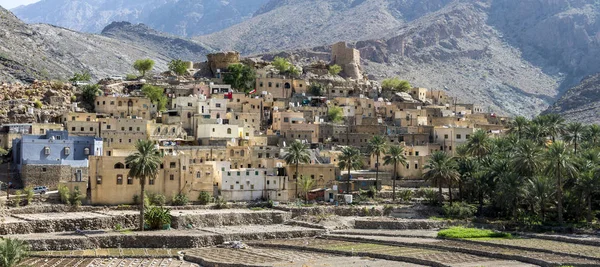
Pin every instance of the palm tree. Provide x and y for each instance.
(518, 126)
(295, 154)
(350, 159)
(592, 134)
(589, 183)
(377, 146)
(478, 144)
(527, 160)
(395, 155)
(306, 184)
(560, 163)
(573, 133)
(552, 123)
(536, 133)
(12, 252)
(144, 164)
(540, 189)
(441, 168)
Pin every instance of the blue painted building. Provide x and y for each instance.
(53, 157)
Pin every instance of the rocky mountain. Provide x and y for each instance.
(582, 102)
(181, 17)
(41, 51)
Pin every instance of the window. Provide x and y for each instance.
(218, 105)
(256, 173)
(228, 130)
(82, 129)
(231, 187)
(252, 186)
(190, 104)
(119, 165)
(120, 103)
(286, 119)
(173, 165)
(239, 173)
(91, 129)
(261, 84)
(67, 151)
(270, 84)
(241, 187)
(130, 129)
(112, 102)
(46, 150)
(72, 129)
(416, 153)
(198, 175)
(151, 181)
(108, 127)
(445, 136)
(468, 136)
(43, 169)
(171, 177)
(98, 179)
(458, 136)
(268, 182)
(119, 179)
(129, 180)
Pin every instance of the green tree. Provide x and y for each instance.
(552, 125)
(281, 64)
(394, 156)
(350, 159)
(527, 160)
(297, 153)
(144, 164)
(540, 190)
(592, 135)
(442, 169)
(377, 146)
(89, 94)
(335, 69)
(478, 144)
(240, 77)
(81, 77)
(178, 66)
(559, 163)
(588, 183)
(573, 134)
(316, 89)
(306, 184)
(518, 126)
(156, 95)
(12, 252)
(395, 85)
(335, 114)
(143, 65)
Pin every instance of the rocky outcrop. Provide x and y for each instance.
(582, 102)
(222, 60)
(18, 101)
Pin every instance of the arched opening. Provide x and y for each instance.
(198, 175)
(119, 165)
(120, 104)
(228, 130)
(287, 86)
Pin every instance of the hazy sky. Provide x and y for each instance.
(8, 4)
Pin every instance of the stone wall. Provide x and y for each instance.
(34, 175)
(227, 219)
(222, 60)
(339, 211)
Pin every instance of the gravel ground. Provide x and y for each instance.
(380, 232)
(96, 262)
(575, 249)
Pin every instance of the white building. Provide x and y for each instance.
(254, 184)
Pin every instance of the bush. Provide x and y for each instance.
(73, 98)
(136, 200)
(63, 192)
(459, 210)
(57, 85)
(180, 200)
(37, 104)
(221, 204)
(28, 195)
(387, 209)
(13, 251)
(429, 195)
(335, 69)
(157, 199)
(18, 194)
(204, 198)
(76, 198)
(405, 195)
(156, 217)
(462, 232)
(131, 77)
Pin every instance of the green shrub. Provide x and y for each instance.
(204, 198)
(73, 98)
(63, 192)
(131, 77)
(462, 232)
(157, 199)
(37, 104)
(429, 195)
(387, 209)
(28, 195)
(405, 195)
(221, 204)
(76, 197)
(136, 200)
(18, 194)
(118, 227)
(459, 210)
(156, 217)
(180, 200)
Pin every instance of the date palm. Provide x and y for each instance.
(559, 163)
(527, 160)
(349, 160)
(395, 155)
(377, 146)
(297, 153)
(479, 144)
(592, 135)
(552, 124)
(12, 252)
(518, 126)
(441, 169)
(573, 133)
(540, 189)
(144, 164)
(306, 184)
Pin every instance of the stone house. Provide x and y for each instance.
(126, 106)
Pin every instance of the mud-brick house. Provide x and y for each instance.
(53, 158)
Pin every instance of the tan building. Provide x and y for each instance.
(125, 106)
(111, 185)
(279, 86)
(324, 175)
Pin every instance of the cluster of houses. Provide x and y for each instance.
(232, 144)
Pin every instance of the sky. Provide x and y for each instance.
(9, 4)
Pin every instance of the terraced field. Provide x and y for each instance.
(105, 262)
